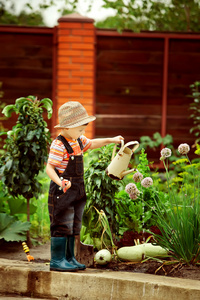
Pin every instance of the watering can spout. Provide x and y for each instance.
(117, 169)
(128, 172)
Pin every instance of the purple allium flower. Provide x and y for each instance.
(147, 182)
(131, 188)
(183, 149)
(137, 177)
(166, 152)
(135, 195)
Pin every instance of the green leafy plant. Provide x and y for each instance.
(100, 190)
(129, 214)
(195, 107)
(40, 223)
(13, 227)
(12, 230)
(135, 212)
(156, 141)
(180, 223)
(2, 118)
(26, 147)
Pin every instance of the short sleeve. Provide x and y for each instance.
(56, 154)
(86, 142)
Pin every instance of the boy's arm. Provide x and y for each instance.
(64, 184)
(50, 170)
(98, 143)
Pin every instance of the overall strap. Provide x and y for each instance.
(80, 143)
(67, 145)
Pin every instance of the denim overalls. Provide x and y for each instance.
(66, 209)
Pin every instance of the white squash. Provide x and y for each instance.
(132, 253)
(154, 250)
(139, 252)
(102, 257)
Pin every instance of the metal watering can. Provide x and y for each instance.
(119, 164)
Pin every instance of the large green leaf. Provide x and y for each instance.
(47, 103)
(8, 110)
(5, 220)
(19, 206)
(11, 230)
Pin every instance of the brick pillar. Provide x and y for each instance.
(76, 63)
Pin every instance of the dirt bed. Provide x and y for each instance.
(41, 253)
(156, 268)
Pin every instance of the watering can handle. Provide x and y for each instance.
(114, 149)
(136, 143)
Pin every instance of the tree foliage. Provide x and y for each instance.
(26, 146)
(8, 15)
(161, 15)
(31, 15)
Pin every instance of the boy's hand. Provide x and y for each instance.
(117, 139)
(66, 184)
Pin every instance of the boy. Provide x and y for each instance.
(67, 196)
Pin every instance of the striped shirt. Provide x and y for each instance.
(58, 155)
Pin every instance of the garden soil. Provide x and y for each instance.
(41, 253)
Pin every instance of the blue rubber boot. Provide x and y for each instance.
(70, 253)
(58, 260)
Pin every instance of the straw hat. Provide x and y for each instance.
(73, 114)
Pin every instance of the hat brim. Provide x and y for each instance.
(79, 123)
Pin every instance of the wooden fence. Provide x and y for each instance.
(136, 83)
(26, 64)
(142, 84)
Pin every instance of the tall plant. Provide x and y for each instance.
(26, 147)
(100, 189)
(195, 108)
(180, 223)
(136, 206)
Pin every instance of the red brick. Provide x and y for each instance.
(88, 95)
(62, 80)
(89, 26)
(62, 59)
(62, 31)
(88, 80)
(82, 73)
(88, 39)
(88, 53)
(64, 46)
(82, 32)
(80, 87)
(82, 60)
(70, 25)
(69, 94)
(63, 87)
(62, 52)
(82, 46)
(69, 66)
(70, 39)
(88, 67)
(63, 73)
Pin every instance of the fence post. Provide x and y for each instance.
(76, 63)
